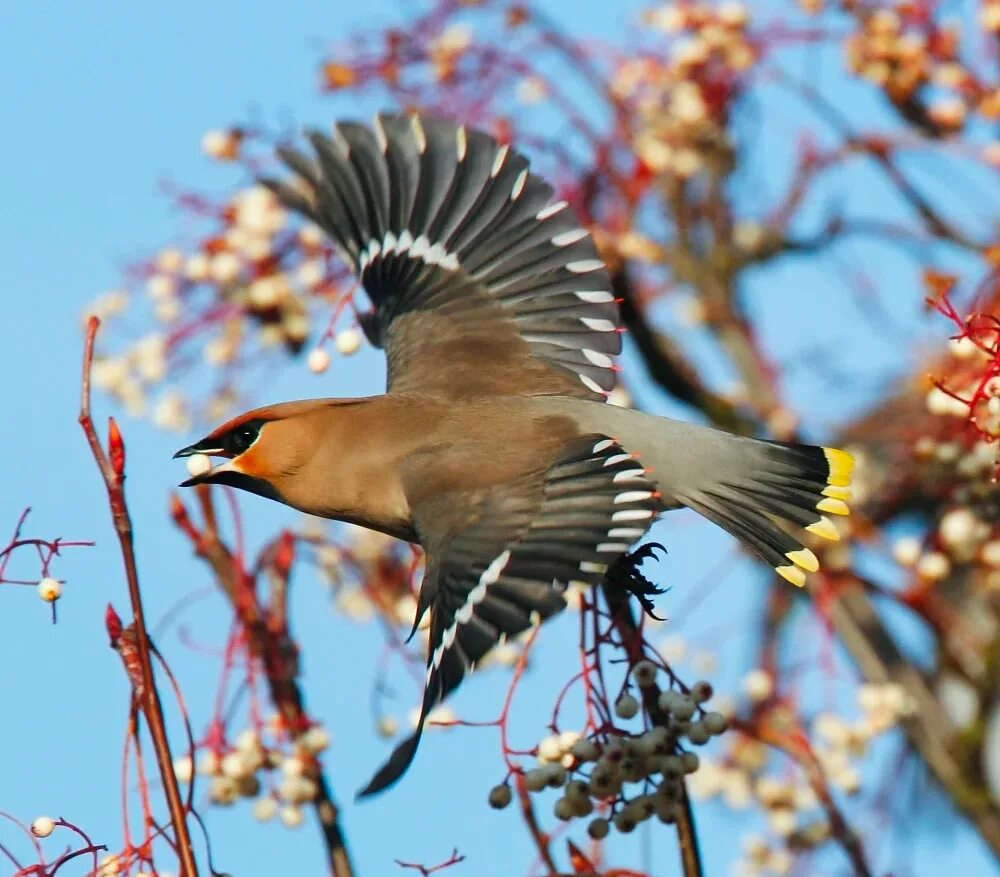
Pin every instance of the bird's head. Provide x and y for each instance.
(261, 450)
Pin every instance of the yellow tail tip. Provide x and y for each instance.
(841, 465)
(804, 558)
(844, 493)
(791, 574)
(825, 529)
(833, 506)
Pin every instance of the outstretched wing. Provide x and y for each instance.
(504, 572)
(479, 284)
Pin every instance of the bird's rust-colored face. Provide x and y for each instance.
(258, 450)
(328, 457)
(240, 443)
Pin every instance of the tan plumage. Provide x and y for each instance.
(492, 447)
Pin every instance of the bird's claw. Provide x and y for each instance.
(624, 573)
(644, 552)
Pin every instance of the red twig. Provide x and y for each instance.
(264, 634)
(797, 746)
(112, 469)
(425, 870)
(540, 837)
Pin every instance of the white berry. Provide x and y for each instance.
(264, 809)
(318, 361)
(291, 817)
(348, 341)
(198, 464)
(43, 826)
(550, 749)
(50, 589)
(314, 740)
(183, 769)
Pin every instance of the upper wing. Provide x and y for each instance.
(506, 568)
(479, 283)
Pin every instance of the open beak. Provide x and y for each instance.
(197, 448)
(203, 448)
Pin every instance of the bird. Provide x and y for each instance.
(493, 446)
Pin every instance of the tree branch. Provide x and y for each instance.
(112, 468)
(621, 613)
(269, 642)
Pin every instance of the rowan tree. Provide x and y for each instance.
(798, 203)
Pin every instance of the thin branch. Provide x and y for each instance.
(540, 837)
(112, 468)
(880, 660)
(800, 750)
(271, 644)
(621, 613)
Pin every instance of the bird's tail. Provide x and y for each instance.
(397, 764)
(764, 493)
(784, 488)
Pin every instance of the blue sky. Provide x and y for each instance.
(102, 102)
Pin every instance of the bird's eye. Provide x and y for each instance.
(241, 439)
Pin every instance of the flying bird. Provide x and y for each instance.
(492, 446)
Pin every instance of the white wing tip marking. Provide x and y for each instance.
(612, 547)
(595, 296)
(518, 187)
(589, 566)
(625, 533)
(599, 359)
(461, 142)
(420, 246)
(632, 515)
(435, 254)
(617, 458)
(603, 445)
(551, 210)
(474, 597)
(582, 266)
(598, 324)
(499, 159)
(564, 239)
(592, 385)
(629, 475)
(633, 496)
(492, 572)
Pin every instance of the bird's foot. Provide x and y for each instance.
(624, 573)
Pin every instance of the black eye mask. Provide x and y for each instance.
(241, 438)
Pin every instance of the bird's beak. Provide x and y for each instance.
(206, 448)
(197, 448)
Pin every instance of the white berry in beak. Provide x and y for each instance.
(198, 464)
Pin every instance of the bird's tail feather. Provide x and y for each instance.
(397, 764)
(765, 490)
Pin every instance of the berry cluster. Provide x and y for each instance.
(275, 778)
(629, 777)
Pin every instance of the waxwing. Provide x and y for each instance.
(493, 447)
